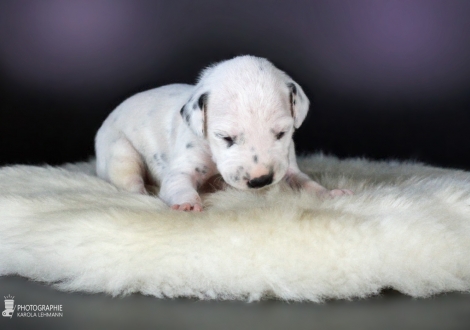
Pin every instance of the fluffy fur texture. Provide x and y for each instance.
(407, 227)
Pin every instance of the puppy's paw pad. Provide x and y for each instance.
(187, 207)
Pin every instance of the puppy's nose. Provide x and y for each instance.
(261, 181)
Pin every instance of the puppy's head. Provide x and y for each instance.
(247, 109)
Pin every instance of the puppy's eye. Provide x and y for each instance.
(229, 140)
(280, 135)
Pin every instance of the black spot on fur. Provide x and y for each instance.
(239, 171)
(185, 114)
(158, 161)
(163, 157)
(202, 101)
(202, 170)
(292, 88)
(195, 106)
(241, 138)
(293, 92)
(189, 145)
(255, 159)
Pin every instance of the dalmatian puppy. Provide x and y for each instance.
(237, 121)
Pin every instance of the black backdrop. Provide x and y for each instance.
(387, 79)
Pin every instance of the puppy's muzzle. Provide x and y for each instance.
(261, 181)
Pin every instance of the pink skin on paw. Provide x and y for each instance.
(187, 207)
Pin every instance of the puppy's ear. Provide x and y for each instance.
(194, 113)
(299, 103)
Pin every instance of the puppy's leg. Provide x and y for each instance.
(299, 180)
(124, 166)
(178, 189)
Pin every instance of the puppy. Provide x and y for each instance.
(238, 121)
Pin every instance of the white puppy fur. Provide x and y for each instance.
(238, 121)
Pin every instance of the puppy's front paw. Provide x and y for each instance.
(196, 207)
(186, 202)
(181, 199)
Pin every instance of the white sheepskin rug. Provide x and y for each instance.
(407, 227)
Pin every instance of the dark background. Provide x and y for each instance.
(387, 79)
